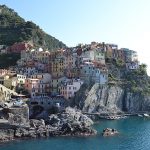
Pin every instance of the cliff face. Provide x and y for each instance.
(136, 102)
(114, 98)
(127, 91)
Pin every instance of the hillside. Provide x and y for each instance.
(13, 29)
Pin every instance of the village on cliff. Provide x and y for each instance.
(49, 78)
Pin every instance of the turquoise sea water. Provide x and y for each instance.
(134, 135)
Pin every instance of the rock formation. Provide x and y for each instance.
(71, 122)
(113, 99)
(110, 132)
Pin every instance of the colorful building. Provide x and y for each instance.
(3, 72)
(89, 72)
(38, 84)
(57, 67)
(99, 56)
(130, 55)
(72, 72)
(21, 78)
(55, 85)
(132, 66)
(68, 88)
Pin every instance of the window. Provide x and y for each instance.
(74, 88)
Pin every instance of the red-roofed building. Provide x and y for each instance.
(18, 47)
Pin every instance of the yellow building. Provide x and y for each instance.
(57, 67)
(72, 73)
(10, 82)
(55, 85)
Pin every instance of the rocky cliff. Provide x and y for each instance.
(69, 123)
(126, 90)
(113, 99)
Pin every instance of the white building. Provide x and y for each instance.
(28, 71)
(88, 73)
(99, 56)
(132, 66)
(44, 77)
(87, 55)
(21, 78)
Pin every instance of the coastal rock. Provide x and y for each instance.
(32, 133)
(72, 122)
(110, 132)
(113, 99)
(54, 120)
(37, 123)
(6, 134)
(21, 132)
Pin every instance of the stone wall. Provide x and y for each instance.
(18, 116)
(5, 93)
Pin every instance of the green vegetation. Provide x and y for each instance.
(111, 77)
(138, 81)
(7, 60)
(13, 29)
(119, 63)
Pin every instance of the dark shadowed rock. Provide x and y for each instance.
(21, 132)
(37, 123)
(6, 134)
(110, 132)
(71, 122)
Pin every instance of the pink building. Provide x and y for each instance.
(69, 87)
(3, 72)
(38, 85)
(32, 86)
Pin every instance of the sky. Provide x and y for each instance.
(122, 22)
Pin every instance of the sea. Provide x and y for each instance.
(134, 135)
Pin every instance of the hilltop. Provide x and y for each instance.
(14, 28)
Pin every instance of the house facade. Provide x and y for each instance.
(68, 88)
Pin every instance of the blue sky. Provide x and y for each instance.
(122, 22)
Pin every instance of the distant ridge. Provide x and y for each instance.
(14, 28)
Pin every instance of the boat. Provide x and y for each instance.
(113, 117)
(146, 115)
(140, 115)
